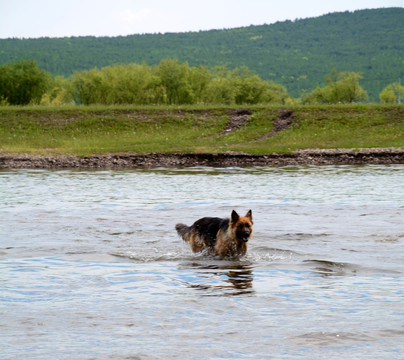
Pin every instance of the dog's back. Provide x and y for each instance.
(202, 234)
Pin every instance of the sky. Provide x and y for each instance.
(60, 18)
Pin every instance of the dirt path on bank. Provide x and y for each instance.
(132, 160)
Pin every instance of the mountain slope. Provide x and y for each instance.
(296, 54)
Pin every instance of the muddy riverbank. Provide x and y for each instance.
(153, 160)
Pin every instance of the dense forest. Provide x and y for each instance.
(296, 54)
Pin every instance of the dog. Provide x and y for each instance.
(217, 236)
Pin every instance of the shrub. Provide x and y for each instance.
(22, 83)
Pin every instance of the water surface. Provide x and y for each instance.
(91, 267)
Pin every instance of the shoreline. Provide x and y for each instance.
(228, 159)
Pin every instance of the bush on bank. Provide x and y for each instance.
(171, 83)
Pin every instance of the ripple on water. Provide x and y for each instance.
(90, 264)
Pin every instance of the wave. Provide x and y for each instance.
(333, 268)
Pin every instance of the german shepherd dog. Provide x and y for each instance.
(221, 237)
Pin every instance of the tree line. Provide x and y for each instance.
(171, 83)
(296, 54)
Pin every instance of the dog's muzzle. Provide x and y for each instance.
(245, 236)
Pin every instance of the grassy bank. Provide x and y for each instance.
(98, 130)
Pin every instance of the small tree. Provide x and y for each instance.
(248, 86)
(392, 93)
(90, 87)
(175, 79)
(341, 88)
(60, 92)
(220, 91)
(199, 78)
(22, 82)
(276, 94)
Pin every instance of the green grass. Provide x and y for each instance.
(101, 129)
(339, 127)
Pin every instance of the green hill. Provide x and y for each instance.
(297, 54)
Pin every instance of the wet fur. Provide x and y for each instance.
(222, 237)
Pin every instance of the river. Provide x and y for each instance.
(92, 268)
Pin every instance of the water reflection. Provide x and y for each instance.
(241, 277)
(219, 279)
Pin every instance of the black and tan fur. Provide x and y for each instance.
(222, 237)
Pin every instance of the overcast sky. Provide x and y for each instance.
(59, 18)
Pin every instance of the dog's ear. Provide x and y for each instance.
(249, 214)
(234, 216)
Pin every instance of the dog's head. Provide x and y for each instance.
(242, 226)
